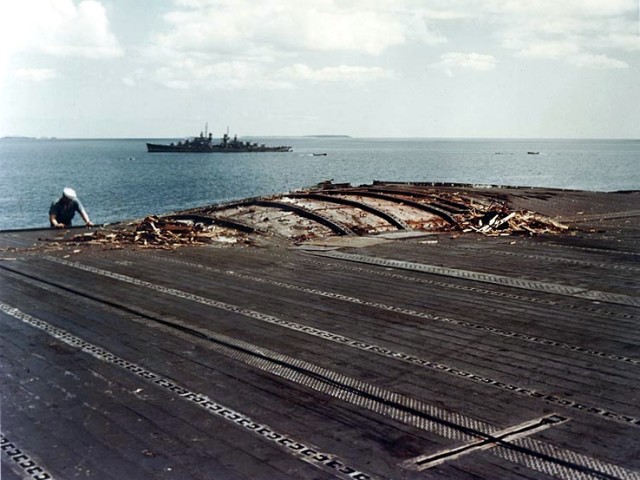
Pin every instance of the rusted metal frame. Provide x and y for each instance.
(392, 219)
(459, 207)
(223, 222)
(306, 213)
(420, 206)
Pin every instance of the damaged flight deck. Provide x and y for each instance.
(384, 331)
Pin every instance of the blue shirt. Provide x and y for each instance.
(65, 210)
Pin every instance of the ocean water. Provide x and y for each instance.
(118, 180)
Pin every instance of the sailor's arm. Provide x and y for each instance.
(86, 219)
(54, 222)
(84, 215)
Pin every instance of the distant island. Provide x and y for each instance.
(19, 137)
(327, 136)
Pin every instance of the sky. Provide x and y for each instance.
(364, 68)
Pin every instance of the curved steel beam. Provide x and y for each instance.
(392, 219)
(420, 206)
(459, 207)
(223, 222)
(306, 213)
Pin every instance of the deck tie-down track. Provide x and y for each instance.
(300, 449)
(546, 287)
(535, 454)
(512, 334)
(350, 393)
(591, 428)
(475, 377)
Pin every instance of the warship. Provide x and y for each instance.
(204, 143)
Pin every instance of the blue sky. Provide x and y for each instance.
(366, 68)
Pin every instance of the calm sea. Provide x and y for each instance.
(118, 180)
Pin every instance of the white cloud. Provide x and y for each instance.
(267, 31)
(566, 30)
(333, 74)
(590, 60)
(467, 61)
(629, 42)
(242, 43)
(549, 50)
(57, 27)
(35, 74)
(286, 26)
(194, 73)
(554, 8)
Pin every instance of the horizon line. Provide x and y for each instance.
(321, 136)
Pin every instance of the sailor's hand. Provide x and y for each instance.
(89, 223)
(59, 225)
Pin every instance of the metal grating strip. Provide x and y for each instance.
(23, 463)
(553, 288)
(346, 341)
(419, 314)
(304, 451)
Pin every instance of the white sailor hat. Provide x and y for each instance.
(70, 193)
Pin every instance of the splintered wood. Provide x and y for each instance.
(359, 214)
(500, 220)
(155, 232)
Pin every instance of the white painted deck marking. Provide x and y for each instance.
(424, 462)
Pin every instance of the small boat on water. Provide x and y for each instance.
(204, 144)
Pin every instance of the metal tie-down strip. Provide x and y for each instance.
(350, 342)
(304, 451)
(415, 313)
(553, 288)
(22, 463)
(534, 454)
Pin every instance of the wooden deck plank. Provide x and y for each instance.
(170, 424)
(432, 328)
(348, 358)
(545, 373)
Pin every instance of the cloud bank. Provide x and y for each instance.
(57, 27)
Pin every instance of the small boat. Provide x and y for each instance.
(533, 153)
(318, 154)
(204, 144)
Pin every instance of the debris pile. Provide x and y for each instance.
(155, 232)
(499, 220)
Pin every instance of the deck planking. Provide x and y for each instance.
(288, 339)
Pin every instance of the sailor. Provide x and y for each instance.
(62, 212)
